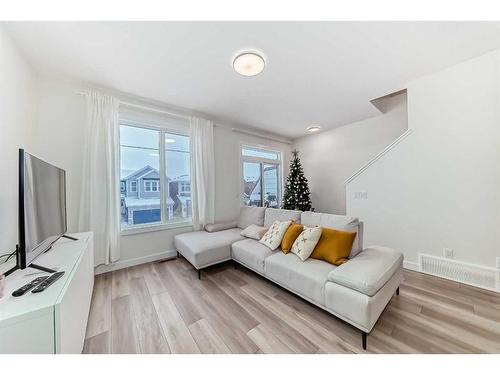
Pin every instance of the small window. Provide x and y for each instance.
(122, 186)
(133, 186)
(261, 177)
(185, 187)
(151, 186)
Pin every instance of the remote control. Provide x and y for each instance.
(47, 282)
(19, 292)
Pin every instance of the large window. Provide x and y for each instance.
(261, 177)
(155, 182)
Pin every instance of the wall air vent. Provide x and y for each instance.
(466, 273)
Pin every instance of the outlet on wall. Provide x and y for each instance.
(448, 253)
(360, 195)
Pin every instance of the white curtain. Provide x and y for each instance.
(100, 198)
(202, 172)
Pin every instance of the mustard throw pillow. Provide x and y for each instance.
(334, 246)
(290, 236)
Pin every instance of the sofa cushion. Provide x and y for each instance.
(274, 235)
(277, 214)
(217, 227)
(334, 246)
(251, 253)
(345, 223)
(304, 244)
(306, 278)
(251, 215)
(254, 231)
(369, 270)
(291, 234)
(202, 249)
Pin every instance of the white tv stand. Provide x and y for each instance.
(55, 320)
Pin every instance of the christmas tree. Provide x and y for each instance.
(296, 195)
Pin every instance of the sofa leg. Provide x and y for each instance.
(199, 274)
(178, 256)
(397, 291)
(363, 337)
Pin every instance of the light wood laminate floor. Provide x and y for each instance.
(164, 308)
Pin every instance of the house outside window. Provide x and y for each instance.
(154, 163)
(261, 176)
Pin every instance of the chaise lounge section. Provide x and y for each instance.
(356, 291)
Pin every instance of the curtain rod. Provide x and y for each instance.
(138, 106)
(255, 134)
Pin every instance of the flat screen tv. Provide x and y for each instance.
(42, 208)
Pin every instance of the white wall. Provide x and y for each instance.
(59, 140)
(331, 157)
(17, 120)
(59, 137)
(440, 186)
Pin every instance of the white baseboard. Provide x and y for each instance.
(134, 262)
(413, 266)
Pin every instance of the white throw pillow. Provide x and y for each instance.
(254, 231)
(306, 242)
(272, 238)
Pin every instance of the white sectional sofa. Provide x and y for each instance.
(356, 292)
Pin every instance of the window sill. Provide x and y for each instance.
(155, 228)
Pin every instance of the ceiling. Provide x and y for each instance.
(318, 73)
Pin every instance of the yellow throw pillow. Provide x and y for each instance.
(334, 246)
(290, 236)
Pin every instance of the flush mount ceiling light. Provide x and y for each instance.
(313, 129)
(249, 63)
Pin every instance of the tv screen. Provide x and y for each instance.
(42, 206)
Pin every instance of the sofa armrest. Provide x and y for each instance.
(368, 271)
(217, 227)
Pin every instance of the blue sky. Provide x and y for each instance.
(140, 148)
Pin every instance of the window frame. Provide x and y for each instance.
(133, 183)
(261, 162)
(153, 186)
(183, 186)
(162, 183)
